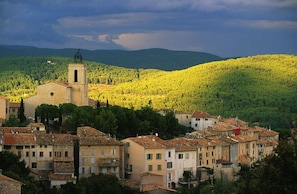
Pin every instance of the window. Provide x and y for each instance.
(7, 147)
(180, 156)
(19, 153)
(102, 152)
(212, 153)
(206, 154)
(127, 144)
(200, 156)
(149, 156)
(187, 155)
(113, 151)
(82, 160)
(92, 160)
(159, 167)
(19, 147)
(32, 146)
(27, 154)
(128, 155)
(158, 156)
(169, 164)
(206, 119)
(82, 152)
(66, 153)
(27, 147)
(169, 154)
(150, 167)
(34, 165)
(169, 176)
(33, 154)
(206, 161)
(131, 168)
(40, 154)
(50, 154)
(58, 154)
(52, 93)
(92, 152)
(83, 170)
(75, 76)
(91, 170)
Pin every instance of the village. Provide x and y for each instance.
(216, 149)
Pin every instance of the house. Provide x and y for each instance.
(226, 170)
(36, 126)
(184, 118)
(202, 120)
(9, 185)
(4, 108)
(99, 153)
(144, 154)
(247, 149)
(185, 161)
(14, 109)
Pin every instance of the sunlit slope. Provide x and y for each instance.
(259, 88)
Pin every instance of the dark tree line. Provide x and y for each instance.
(113, 120)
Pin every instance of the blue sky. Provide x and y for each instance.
(227, 28)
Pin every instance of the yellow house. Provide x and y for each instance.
(4, 108)
(247, 149)
(144, 154)
(99, 153)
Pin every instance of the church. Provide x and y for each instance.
(75, 91)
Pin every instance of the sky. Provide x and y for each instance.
(227, 28)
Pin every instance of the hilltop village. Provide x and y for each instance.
(216, 149)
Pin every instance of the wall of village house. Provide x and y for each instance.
(99, 159)
(202, 123)
(185, 161)
(4, 108)
(170, 164)
(45, 157)
(28, 153)
(156, 163)
(134, 159)
(207, 156)
(184, 119)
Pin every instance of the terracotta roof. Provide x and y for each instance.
(14, 105)
(147, 141)
(200, 114)
(244, 138)
(182, 144)
(98, 140)
(267, 133)
(89, 131)
(16, 129)
(6, 178)
(59, 176)
(64, 166)
(19, 139)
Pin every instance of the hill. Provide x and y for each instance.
(256, 89)
(147, 58)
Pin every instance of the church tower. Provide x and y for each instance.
(77, 81)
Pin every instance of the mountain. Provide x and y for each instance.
(148, 58)
(259, 89)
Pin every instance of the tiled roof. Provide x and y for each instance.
(267, 133)
(99, 140)
(59, 176)
(244, 138)
(147, 141)
(16, 129)
(6, 178)
(153, 187)
(35, 125)
(19, 139)
(182, 144)
(89, 131)
(64, 166)
(220, 161)
(200, 114)
(63, 139)
(14, 105)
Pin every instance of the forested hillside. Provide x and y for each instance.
(147, 58)
(256, 89)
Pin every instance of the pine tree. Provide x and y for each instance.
(22, 112)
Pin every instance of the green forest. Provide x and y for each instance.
(258, 89)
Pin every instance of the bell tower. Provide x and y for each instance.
(77, 81)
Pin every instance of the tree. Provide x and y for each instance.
(22, 112)
(106, 122)
(12, 121)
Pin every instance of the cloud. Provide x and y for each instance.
(159, 39)
(264, 24)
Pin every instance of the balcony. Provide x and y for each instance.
(109, 162)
